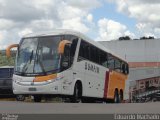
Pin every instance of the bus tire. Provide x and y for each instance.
(76, 98)
(116, 96)
(20, 97)
(37, 98)
(87, 100)
(121, 96)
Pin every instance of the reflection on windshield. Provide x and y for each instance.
(25, 67)
(38, 56)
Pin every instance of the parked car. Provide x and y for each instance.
(6, 80)
(6, 73)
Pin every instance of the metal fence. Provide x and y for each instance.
(145, 95)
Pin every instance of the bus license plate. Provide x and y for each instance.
(32, 89)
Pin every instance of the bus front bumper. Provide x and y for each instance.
(37, 88)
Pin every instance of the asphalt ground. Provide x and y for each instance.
(17, 107)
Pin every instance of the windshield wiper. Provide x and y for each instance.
(31, 57)
(42, 67)
(38, 61)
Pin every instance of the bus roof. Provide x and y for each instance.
(71, 32)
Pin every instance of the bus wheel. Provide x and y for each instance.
(37, 98)
(116, 96)
(121, 96)
(76, 98)
(20, 97)
(87, 100)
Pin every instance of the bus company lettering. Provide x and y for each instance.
(91, 67)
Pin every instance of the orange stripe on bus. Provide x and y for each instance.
(116, 80)
(45, 78)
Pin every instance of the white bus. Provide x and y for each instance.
(68, 64)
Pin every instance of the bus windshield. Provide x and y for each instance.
(38, 56)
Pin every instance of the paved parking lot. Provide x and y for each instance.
(77, 108)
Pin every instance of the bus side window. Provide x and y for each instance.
(81, 51)
(110, 62)
(94, 54)
(125, 68)
(117, 65)
(66, 62)
(84, 51)
(87, 51)
(73, 49)
(103, 58)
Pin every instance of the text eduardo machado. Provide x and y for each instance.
(136, 116)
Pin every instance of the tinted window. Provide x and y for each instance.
(70, 49)
(117, 65)
(73, 48)
(94, 54)
(4, 73)
(38, 56)
(125, 68)
(84, 52)
(103, 59)
(110, 61)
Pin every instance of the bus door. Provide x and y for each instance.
(66, 68)
(67, 81)
(67, 65)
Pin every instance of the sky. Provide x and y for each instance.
(101, 20)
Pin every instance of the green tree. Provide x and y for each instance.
(4, 61)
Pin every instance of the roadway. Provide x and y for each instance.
(15, 107)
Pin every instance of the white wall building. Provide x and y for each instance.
(143, 57)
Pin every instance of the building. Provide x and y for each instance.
(144, 61)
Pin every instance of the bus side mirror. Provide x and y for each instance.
(127, 69)
(61, 47)
(66, 56)
(8, 50)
